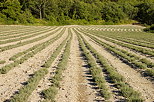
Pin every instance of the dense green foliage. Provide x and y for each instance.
(55, 12)
(150, 29)
(146, 13)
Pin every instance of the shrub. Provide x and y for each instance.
(149, 29)
(140, 65)
(50, 93)
(149, 72)
(105, 93)
(134, 99)
(2, 62)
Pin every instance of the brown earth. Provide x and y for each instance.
(77, 84)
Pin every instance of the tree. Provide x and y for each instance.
(112, 12)
(146, 12)
(24, 4)
(129, 10)
(39, 7)
(12, 9)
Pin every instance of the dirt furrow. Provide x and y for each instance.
(45, 82)
(12, 30)
(19, 31)
(76, 85)
(127, 49)
(133, 78)
(9, 53)
(87, 88)
(68, 90)
(115, 94)
(22, 34)
(27, 39)
(129, 43)
(14, 79)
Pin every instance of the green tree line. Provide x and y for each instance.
(59, 12)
